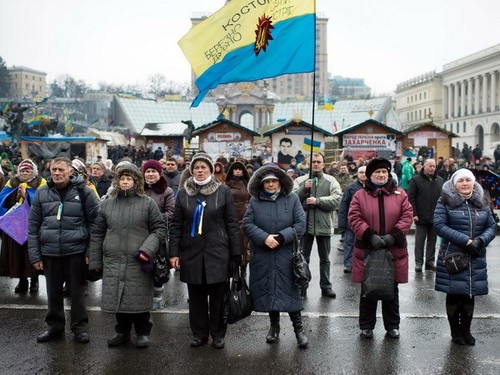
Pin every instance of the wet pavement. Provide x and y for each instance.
(335, 347)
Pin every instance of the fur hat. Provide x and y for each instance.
(377, 163)
(153, 164)
(201, 156)
(463, 172)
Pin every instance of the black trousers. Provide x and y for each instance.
(141, 322)
(390, 312)
(423, 232)
(57, 270)
(206, 309)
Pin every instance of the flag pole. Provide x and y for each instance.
(313, 96)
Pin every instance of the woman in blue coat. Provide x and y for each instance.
(464, 221)
(273, 220)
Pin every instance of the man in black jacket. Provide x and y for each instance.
(58, 234)
(423, 193)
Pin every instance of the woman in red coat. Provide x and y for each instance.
(380, 216)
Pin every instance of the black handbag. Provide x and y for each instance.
(238, 299)
(161, 264)
(456, 262)
(378, 281)
(301, 271)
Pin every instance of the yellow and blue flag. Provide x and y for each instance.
(251, 40)
(329, 105)
(310, 145)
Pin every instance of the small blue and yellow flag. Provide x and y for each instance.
(44, 100)
(310, 144)
(251, 40)
(329, 105)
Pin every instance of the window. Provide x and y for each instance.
(420, 96)
(425, 95)
(464, 128)
(458, 128)
(425, 113)
(420, 114)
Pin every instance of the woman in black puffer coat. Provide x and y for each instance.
(464, 221)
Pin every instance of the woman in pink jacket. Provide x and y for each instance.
(380, 217)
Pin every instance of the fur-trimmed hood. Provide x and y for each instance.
(450, 196)
(238, 164)
(255, 183)
(192, 188)
(130, 170)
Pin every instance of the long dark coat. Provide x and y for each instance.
(207, 253)
(456, 220)
(271, 276)
(241, 196)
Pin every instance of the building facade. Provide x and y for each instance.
(27, 82)
(471, 103)
(348, 88)
(419, 100)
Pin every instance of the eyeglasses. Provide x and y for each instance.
(317, 162)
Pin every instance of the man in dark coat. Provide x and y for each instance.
(99, 178)
(172, 173)
(423, 193)
(61, 215)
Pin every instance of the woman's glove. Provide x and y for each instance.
(146, 262)
(388, 239)
(474, 248)
(234, 265)
(377, 242)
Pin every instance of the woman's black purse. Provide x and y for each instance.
(456, 262)
(238, 302)
(300, 267)
(161, 264)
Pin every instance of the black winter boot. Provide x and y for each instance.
(296, 319)
(454, 319)
(22, 287)
(274, 331)
(466, 320)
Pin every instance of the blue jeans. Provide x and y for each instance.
(324, 246)
(348, 247)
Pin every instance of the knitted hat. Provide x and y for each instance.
(201, 156)
(153, 164)
(377, 163)
(464, 172)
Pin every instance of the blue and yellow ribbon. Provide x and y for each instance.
(197, 225)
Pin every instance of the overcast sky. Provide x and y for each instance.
(124, 41)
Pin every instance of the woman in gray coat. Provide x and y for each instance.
(124, 239)
(273, 221)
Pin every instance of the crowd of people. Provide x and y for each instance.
(89, 222)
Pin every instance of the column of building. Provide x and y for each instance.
(476, 96)
(493, 96)
(462, 99)
(484, 105)
(455, 99)
(469, 96)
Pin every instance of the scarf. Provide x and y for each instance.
(197, 222)
(204, 182)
